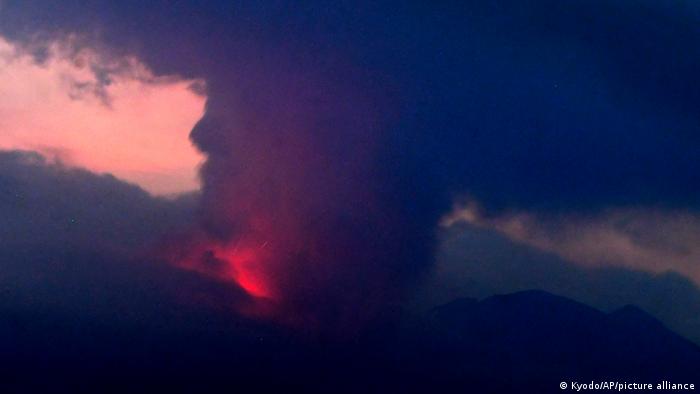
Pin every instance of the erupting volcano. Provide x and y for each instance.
(304, 200)
(242, 264)
(245, 263)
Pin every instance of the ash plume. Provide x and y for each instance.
(300, 201)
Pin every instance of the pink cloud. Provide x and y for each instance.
(107, 115)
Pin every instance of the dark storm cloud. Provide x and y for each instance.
(537, 103)
(351, 127)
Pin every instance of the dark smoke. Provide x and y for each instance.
(297, 171)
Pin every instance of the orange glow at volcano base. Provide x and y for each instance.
(243, 267)
(245, 263)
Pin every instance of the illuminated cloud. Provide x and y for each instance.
(648, 239)
(82, 108)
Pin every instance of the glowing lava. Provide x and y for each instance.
(244, 262)
(244, 265)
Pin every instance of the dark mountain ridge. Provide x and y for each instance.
(523, 342)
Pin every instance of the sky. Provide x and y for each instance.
(325, 155)
(135, 126)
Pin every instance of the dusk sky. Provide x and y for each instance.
(308, 166)
(98, 127)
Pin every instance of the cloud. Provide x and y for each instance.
(107, 114)
(519, 104)
(647, 238)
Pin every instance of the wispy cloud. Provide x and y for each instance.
(643, 238)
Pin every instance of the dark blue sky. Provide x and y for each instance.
(535, 104)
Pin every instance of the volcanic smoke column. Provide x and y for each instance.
(304, 206)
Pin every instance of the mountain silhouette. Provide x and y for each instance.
(528, 342)
(540, 339)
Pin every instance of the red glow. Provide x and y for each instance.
(244, 266)
(243, 262)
